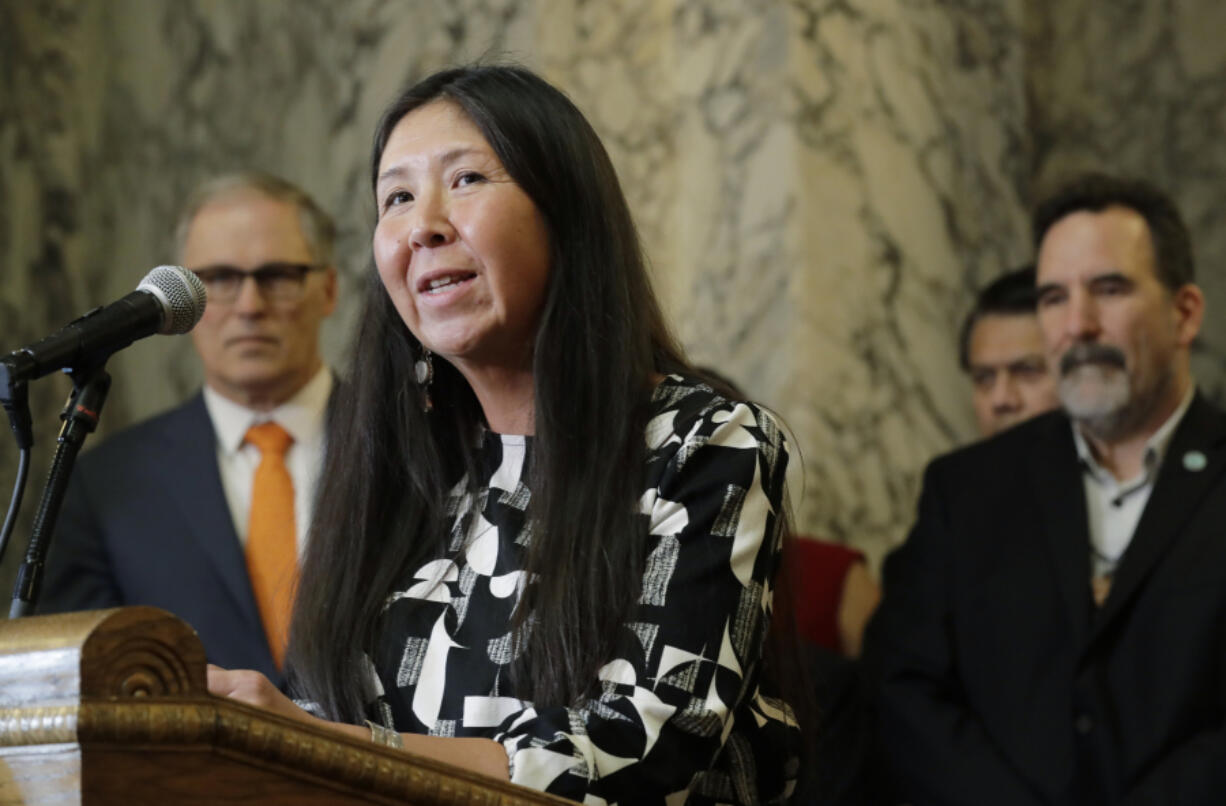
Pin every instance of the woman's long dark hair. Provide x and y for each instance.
(600, 339)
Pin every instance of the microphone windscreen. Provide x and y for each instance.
(182, 295)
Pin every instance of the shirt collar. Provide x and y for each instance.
(302, 415)
(1155, 446)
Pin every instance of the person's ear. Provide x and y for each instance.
(331, 283)
(1189, 313)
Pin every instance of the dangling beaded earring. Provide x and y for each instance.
(423, 372)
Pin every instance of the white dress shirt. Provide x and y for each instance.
(303, 417)
(1114, 507)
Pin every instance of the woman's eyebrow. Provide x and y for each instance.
(452, 154)
(446, 158)
(395, 172)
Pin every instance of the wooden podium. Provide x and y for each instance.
(110, 707)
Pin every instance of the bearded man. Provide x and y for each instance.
(1053, 631)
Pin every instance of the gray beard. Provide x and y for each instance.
(1101, 400)
(1097, 397)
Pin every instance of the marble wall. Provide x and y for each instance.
(47, 267)
(820, 184)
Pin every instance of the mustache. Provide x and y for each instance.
(1089, 353)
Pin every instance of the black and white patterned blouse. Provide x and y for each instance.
(683, 715)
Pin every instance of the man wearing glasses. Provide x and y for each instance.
(203, 510)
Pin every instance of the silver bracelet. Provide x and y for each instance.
(384, 736)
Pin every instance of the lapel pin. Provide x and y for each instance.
(1194, 461)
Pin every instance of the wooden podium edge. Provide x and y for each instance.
(139, 683)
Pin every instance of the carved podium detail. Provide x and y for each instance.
(111, 707)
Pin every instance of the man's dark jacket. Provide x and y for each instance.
(146, 522)
(999, 682)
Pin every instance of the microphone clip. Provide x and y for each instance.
(15, 397)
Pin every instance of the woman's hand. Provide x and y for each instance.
(480, 755)
(253, 688)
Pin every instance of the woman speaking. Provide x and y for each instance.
(543, 549)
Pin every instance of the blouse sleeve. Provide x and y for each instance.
(668, 706)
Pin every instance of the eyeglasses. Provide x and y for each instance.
(277, 282)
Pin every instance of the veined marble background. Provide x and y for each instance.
(820, 184)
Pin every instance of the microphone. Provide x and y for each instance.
(169, 300)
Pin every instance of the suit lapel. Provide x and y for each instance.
(194, 483)
(1177, 493)
(1061, 497)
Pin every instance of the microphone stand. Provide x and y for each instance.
(80, 416)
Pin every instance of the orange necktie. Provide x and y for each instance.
(272, 542)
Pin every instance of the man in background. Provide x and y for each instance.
(203, 510)
(1053, 631)
(1001, 349)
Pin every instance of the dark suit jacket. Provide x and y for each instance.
(145, 522)
(997, 679)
